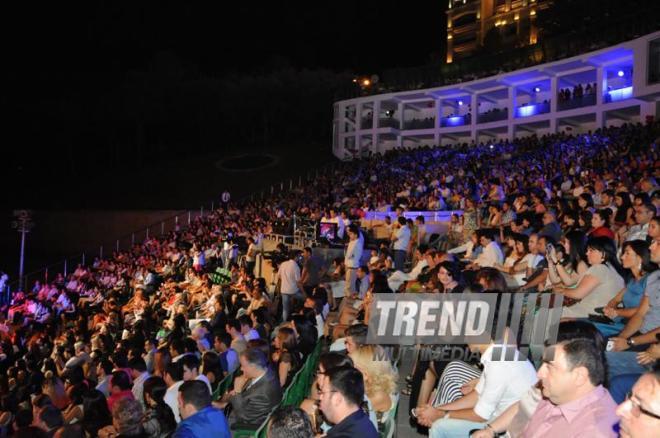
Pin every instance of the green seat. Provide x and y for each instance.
(235, 433)
(224, 385)
(389, 431)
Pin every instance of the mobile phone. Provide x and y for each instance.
(599, 309)
(610, 345)
(413, 412)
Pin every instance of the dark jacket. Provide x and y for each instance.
(356, 425)
(251, 407)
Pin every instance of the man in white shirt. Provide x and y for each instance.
(363, 281)
(352, 259)
(492, 253)
(643, 215)
(401, 240)
(289, 275)
(399, 277)
(173, 379)
(251, 255)
(139, 374)
(500, 385)
(191, 371)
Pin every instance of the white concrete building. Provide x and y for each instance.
(624, 86)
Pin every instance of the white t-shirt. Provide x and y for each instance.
(252, 249)
(403, 238)
(501, 384)
(171, 398)
(289, 273)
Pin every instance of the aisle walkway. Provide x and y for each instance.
(403, 425)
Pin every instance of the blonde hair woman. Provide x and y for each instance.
(380, 378)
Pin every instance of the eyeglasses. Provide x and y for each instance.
(637, 410)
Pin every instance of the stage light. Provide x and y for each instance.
(537, 89)
(366, 82)
(620, 73)
(460, 103)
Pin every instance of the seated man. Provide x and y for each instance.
(640, 413)
(575, 402)
(492, 253)
(399, 277)
(501, 384)
(199, 417)
(255, 393)
(289, 422)
(355, 337)
(341, 396)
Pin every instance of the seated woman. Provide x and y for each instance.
(600, 224)
(357, 310)
(258, 300)
(635, 257)
(380, 381)
(568, 270)
(599, 284)
(515, 265)
(449, 278)
(286, 356)
(137, 303)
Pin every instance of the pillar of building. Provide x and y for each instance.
(601, 88)
(646, 109)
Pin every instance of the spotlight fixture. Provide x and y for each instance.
(460, 103)
(537, 89)
(620, 73)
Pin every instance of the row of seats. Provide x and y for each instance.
(294, 394)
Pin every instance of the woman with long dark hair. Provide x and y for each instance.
(599, 284)
(96, 414)
(286, 355)
(567, 272)
(158, 420)
(635, 257)
(624, 210)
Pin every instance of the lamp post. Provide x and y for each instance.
(23, 224)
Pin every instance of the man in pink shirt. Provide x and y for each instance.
(575, 403)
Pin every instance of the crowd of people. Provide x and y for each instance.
(136, 343)
(579, 91)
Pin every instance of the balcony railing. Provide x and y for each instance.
(446, 122)
(618, 94)
(388, 123)
(532, 109)
(493, 115)
(428, 123)
(576, 102)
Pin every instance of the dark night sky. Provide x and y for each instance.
(55, 38)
